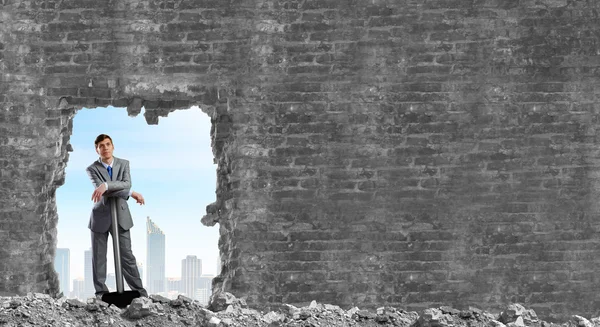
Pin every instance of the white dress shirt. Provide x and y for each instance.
(106, 166)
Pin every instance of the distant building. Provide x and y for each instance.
(78, 289)
(89, 289)
(204, 288)
(62, 265)
(191, 270)
(155, 258)
(203, 296)
(174, 284)
(205, 282)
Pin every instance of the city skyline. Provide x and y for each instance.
(193, 283)
(171, 166)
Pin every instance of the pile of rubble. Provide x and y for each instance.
(227, 311)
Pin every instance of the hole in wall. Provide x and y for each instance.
(171, 165)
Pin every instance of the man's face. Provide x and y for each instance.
(105, 149)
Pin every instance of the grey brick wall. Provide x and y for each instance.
(408, 153)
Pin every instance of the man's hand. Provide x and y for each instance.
(98, 193)
(138, 197)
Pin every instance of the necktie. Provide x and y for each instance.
(109, 171)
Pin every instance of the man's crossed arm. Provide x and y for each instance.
(120, 189)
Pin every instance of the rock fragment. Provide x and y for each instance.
(185, 299)
(219, 301)
(430, 317)
(214, 322)
(516, 315)
(449, 310)
(581, 321)
(273, 318)
(75, 303)
(140, 307)
(364, 315)
(304, 314)
(176, 303)
(512, 312)
(159, 298)
(14, 304)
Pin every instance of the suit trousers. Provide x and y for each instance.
(128, 262)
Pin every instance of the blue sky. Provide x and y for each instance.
(171, 165)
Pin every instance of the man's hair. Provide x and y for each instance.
(101, 138)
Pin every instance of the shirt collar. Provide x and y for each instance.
(105, 165)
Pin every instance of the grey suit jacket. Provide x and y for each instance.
(118, 187)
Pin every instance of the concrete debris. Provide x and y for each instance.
(364, 315)
(142, 307)
(313, 305)
(496, 323)
(516, 315)
(159, 298)
(517, 323)
(75, 303)
(214, 322)
(274, 317)
(176, 302)
(511, 313)
(449, 310)
(14, 304)
(41, 310)
(185, 299)
(219, 301)
(595, 321)
(433, 317)
(581, 321)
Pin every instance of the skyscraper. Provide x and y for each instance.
(88, 288)
(62, 265)
(173, 287)
(191, 270)
(78, 288)
(203, 296)
(155, 258)
(205, 282)
(204, 288)
(174, 284)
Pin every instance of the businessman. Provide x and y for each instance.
(111, 178)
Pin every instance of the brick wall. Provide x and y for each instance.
(408, 153)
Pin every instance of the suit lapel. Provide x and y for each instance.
(104, 172)
(116, 167)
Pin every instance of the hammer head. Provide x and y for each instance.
(121, 300)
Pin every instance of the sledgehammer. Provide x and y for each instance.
(120, 298)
